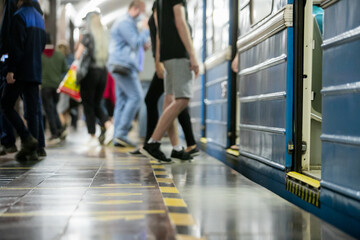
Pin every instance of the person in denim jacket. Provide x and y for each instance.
(125, 41)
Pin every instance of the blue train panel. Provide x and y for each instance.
(216, 104)
(341, 96)
(263, 101)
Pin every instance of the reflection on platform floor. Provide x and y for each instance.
(82, 192)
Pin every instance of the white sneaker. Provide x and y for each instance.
(93, 142)
(109, 135)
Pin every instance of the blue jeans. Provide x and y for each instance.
(129, 96)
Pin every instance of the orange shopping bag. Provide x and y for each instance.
(69, 86)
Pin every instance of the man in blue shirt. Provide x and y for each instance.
(125, 42)
(27, 42)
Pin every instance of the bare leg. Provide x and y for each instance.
(167, 119)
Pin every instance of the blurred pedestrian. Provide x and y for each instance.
(54, 66)
(125, 42)
(24, 76)
(95, 44)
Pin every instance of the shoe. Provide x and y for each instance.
(41, 152)
(33, 156)
(54, 140)
(194, 152)
(93, 142)
(109, 135)
(21, 156)
(152, 150)
(2, 151)
(181, 155)
(63, 133)
(102, 136)
(136, 152)
(11, 149)
(124, 142)
(29, 144)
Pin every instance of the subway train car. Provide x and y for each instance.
(291, 108)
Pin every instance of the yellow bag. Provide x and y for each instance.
(68, 84)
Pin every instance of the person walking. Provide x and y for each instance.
(125, 42)
(177, 53)
(24, 76)
(95, 42)
(155, 91)
(53, 67)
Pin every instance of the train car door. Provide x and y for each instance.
(312, 99)
(266, 86)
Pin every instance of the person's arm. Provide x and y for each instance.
(16, 48)
(235, 64)
(184, 33)
(159, 67)
(131, 35)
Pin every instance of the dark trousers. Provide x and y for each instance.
(155, 91)
(91, 90)
(32, 106)
(50, 98)
(7, 135)
(41, 135)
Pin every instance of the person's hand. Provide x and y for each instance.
(194, 66)
(10, 78)
(145, 22)
(160, 70)
(235, 64)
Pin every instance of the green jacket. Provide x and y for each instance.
(53, 68)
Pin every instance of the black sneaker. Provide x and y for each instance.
(152, 150)
(102, 135)
(10, 149)
(136, 152)
(41, 152)
(182, 155)
(33, 156)
(29, 144)
(2, 151)
(194, 152)
(63, 133)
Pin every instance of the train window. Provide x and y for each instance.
(217, 26)
(260, 9)
(196, 21)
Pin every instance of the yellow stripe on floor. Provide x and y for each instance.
(169, 190)
(187, 237)
(158, 166)
(174, 202)
(160, 173)
(164, 180)
(182, 219)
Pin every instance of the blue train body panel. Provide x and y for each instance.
(217, 104)
(341, 109)
(263, 101)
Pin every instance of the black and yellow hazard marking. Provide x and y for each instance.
(304, 187)
(232, 152)
(178, 212)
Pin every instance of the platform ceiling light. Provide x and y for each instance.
(90, 6)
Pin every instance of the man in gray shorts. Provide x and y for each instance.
(178, 55)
